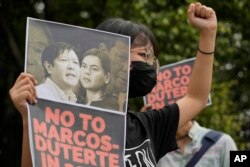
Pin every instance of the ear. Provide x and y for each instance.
(48, 67)
(107, 78)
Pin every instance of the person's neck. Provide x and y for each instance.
(182, 142)
(183, 137)
(93, 96)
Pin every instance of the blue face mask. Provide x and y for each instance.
(142, 80)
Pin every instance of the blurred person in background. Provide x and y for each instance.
(38, 40)
(190, 139)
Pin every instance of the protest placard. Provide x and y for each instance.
(172, 83)
(69, 135)
(79, 119)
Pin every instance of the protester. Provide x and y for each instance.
(189, 140)
(150, 135)
(62, 71)
(95, 80)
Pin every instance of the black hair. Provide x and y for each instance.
(101, 55)
(52, 51)
(139, 33)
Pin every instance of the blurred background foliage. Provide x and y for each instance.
(177, 41)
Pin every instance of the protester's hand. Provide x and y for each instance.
(23, 91)
(202, 17)
(146, 108)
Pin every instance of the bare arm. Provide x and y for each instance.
(204, 19)
(23, 91)
(26, 155)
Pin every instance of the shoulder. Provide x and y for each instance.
(165, 119)
(44, 90)
(111, 100)
(108, 102)
(110, 97)
(45, 86)
(41, 88)
(225, 140)
(169, 112)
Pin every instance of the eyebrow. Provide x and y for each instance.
(143, 48)
(92, 65)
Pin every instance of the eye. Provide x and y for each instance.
(120, 57)
(63, 60)
(84, 66)
(95, 69)
(38, 50)
(76, 62)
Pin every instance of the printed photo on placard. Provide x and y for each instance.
(74, 64)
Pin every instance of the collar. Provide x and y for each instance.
(195, 133)
(195, 129)
(64, 96)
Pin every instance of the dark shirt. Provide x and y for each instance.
(107, 102)
(150, 135)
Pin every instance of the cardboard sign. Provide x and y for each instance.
(172, 83)
(79, 119)
(69, 135)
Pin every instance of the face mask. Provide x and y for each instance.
(142, 79)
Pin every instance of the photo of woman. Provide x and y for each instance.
(95, 80)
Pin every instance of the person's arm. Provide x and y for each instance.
(203, 19)
(23, 91)
(26, 155)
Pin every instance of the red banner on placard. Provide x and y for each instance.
(66, 135)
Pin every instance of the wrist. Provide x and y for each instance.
(207, 43)
(208, 34)
(206, 52)
(25, 122)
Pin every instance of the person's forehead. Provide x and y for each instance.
(121, 46)
(67, 53)
(91, 58)
(140, 45)
(38, 34)
(117, 52)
